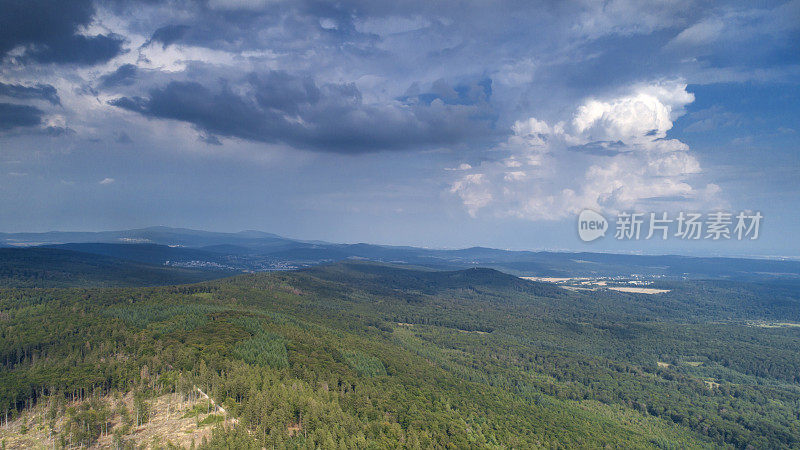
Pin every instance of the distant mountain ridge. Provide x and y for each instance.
(48, 267)
(261, 251)
(153, 235)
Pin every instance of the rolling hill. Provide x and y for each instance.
(363, 355)
(50, 267)
(258, 251)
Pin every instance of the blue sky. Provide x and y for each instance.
(440, 124)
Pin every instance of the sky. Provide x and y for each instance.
(441, 124)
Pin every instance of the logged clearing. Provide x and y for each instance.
(576, 288)
(774, 324)
(174, 420)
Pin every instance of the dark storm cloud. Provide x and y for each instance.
(222, 113)
(86, 50)
(48, 28)
(284, 92)
(123, 76)
(15, 116)
(169, 34)
(37, 92)
(280, 107)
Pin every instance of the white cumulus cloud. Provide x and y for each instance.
(611, 155)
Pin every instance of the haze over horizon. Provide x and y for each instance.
(578, 249)
(442, 125)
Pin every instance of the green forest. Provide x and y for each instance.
(365, 355)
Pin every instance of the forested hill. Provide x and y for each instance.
(359, 355)
(380, 277)
(47, 267)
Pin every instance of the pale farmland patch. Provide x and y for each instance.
(638, 290)
(547, 279)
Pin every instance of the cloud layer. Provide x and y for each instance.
(49, 31)
(277, 107)
(512, 110)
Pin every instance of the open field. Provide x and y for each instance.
(638, 290)
(593, 284)
(547, 279)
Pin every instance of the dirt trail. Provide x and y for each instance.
(217, 408)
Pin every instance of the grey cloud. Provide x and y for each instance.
(279, 90)
(123, 138)
(85, 50)
(37, 92)
(137, 104)
(461, 94)
(234, 26)
(16, 116)
(210, 139)
(284, 108)
(48, 29)
(59, 131)
(168, 34)
(601, 148)
(123, 76)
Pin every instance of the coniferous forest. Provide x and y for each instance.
(363, 355)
